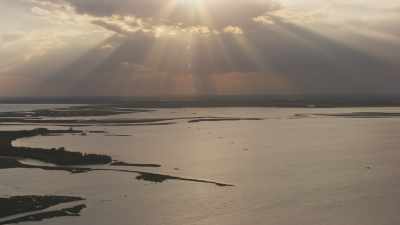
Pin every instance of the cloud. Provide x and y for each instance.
(107, 47)
(29, 44)
(209, 13)
(255, 46)
(336, 13)
(265, 19)
(7, 38)
(288, 15)
(233, 30)
(266, 60)
(40, 12)
(117, 25)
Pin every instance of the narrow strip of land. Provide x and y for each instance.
(72, 161)
(30, 203)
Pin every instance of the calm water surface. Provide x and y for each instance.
(313, 170)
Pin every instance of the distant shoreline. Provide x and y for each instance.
(284, 101)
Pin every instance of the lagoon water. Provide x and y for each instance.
(286, 169)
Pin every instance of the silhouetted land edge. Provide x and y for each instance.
(68, 161)
(71, 211)
(11, 163)
(76, 111)
(222, 119)
(30, 203)
(159, 178)
(119, 163)
(65, 117)
(56, 156)
(117, 122)
(258, 100)
(362, 114)
(16, 205)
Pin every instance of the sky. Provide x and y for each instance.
(198, 47)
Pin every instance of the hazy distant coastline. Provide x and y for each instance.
(220, 101)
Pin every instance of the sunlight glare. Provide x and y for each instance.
(189, 2)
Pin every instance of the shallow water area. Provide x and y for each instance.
(317, 169)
